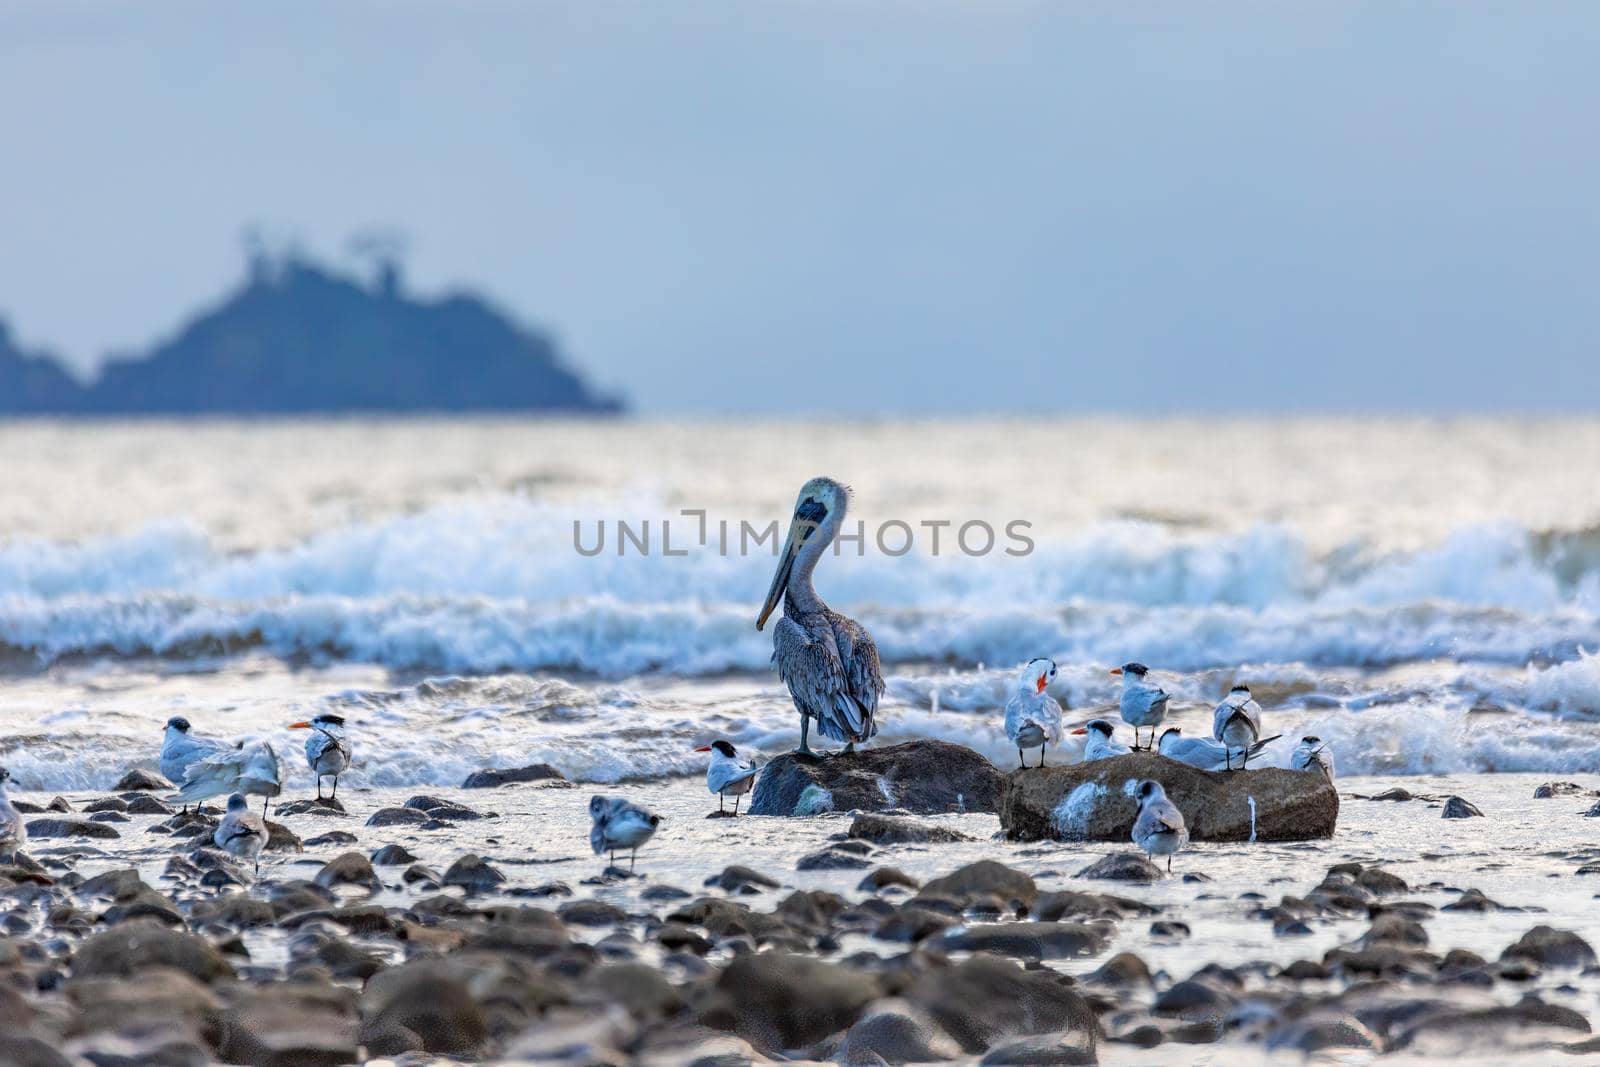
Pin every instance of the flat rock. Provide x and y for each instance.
(1563, 789)
(398, 817)
(488, 779)
(898, 830)
(737, 878)
(312, 806)
(442, 809)
(67, 826)
(1124, 867)
(1029, 940)
(332, 837)
(923, 777)
(1095, 802)
(139, 780)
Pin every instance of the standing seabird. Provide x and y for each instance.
(327, 749)
(620, 823)
(242, 833)
(1312, 754)
(1143, 703)
(13, 832)
(250, 768)
(1202, 753)
(1159, 828)
(827, 660)
(1033, 718)
(728, 775)
(181, 749)
(1237, 724)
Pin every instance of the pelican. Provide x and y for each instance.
(728, 775)
(1033, 718)
(827, 660)
(1202, 753)
(13, 833)
(327, 749)
(620, 823)
(181, 749)
(249, 768)
(241, 833)
(1237, 723)
(1143, 703)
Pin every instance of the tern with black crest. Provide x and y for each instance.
(1143, 703)
(1312, 754)
(1100, 742)
(729, 775)
(1202, 753)
(1237, 724)
(1033, 717)
(182, 748)
(327, 749)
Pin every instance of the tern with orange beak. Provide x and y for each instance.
(1099, 740)
(1033, 718)
(728, 775)
(1143, 703)
(327, 749)
(827, 660)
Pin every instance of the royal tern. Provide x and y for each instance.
(1033, 718)
(1143, 703)
(619, 824)
(13, 832)
(827, 660)
(327, 749)
(1201, 753)
(250, 768)
(728, 775)
(1312, 754)
(1159, 829)
(1237, 724)
(1099, 743)
(181, 748)
(242, 833)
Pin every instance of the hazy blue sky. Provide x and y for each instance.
(906, 207)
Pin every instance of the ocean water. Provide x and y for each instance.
(1425, 594)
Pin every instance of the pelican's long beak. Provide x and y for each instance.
(299, 726)
(1116, 670)
(703, 748)
(1080, 731)
(780, 578)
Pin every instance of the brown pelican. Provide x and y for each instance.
(827, 660)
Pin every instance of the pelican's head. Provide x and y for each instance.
(1132, 673)
(819, 507)
(721, 748)
(1036, 675)
(1149, 790)
(1096, 726)
(178, 723)
(237, 802)
(1168, 736)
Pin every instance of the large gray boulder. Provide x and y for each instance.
(1095, 801)
(922, 777)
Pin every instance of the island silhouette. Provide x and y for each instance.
(296, 337)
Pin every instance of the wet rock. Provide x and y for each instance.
(913, 923)
(1549, 947)
(897, 830)
(885, 877)
(139, 780)
(443, 810)
(1070, 904)
(924, 777)
(832, 859)
(398, 817)
(1029, 940)
(144, 804)
(1474, 900)
(1069, 1047)
(237, 910)
(778, 1001)
(983, 879)
(1562, 789)
(1319, 1031)
(1389, 928)
(985, 1001)
(290, 1026)
(333, 837)
(474, 874)
(70, 827)
(1197, 999)
(1531, 1023)
(737, 879)
(1123, 970)
(58, 804)
(392, 856)
(1092, 801)
(591, 913)
(638, 988)
(489, 779)
(897, 1032)
(282, 839)
(116, 804)
(1123, 867)
(21, 1049)
(329, 806)
(426, 1003)
(1172, 931)
(138, 946)
(1461, 808)
(348, 868)
(664, 892)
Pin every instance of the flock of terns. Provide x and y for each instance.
(830, 665)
